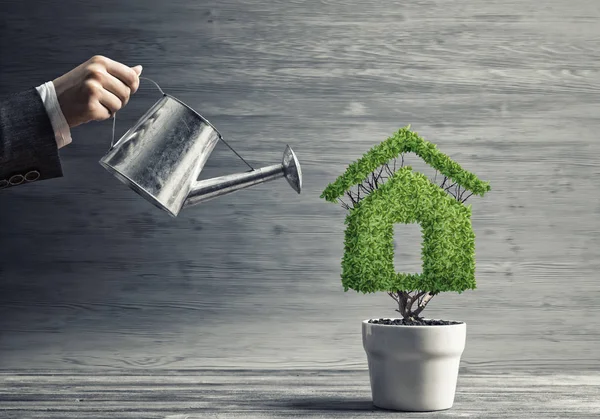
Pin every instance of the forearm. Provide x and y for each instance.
(27, 140)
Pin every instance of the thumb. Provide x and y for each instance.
(137, 69)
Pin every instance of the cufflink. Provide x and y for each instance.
(31, 176)
(16, 180)
(3, 183)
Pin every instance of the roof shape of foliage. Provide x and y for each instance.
(403, 141)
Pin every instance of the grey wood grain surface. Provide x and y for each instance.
(277, 394)
(93, 277)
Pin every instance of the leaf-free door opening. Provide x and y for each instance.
(408, 243)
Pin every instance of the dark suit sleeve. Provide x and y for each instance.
(28, 149)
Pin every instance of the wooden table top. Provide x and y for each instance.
(190, 394)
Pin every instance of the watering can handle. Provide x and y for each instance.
(114, 116)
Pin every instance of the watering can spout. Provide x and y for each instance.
(204, 190)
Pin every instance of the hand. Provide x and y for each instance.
(96, 89)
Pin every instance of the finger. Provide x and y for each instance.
(126, 74)
(138, 69)
(99, 112)
(111, 102)
(117, 88)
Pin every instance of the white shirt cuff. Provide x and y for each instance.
(62, 131)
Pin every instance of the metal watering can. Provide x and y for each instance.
(162, 155)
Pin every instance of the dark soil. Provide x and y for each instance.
(413, 322)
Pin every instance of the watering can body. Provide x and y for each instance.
(162, 155)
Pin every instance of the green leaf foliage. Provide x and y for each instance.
(403, 141)
(448, 250)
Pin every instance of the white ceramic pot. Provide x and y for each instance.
(413, 368)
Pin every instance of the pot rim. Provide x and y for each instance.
(366, 322)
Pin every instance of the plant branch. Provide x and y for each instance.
(388, 170)
(375, 180)
(452, 194)
(423, 304)
(450, 186)
(371, 185)
(444, 182)
(418, 296)
(381, 170)
(349, 194)
(361, 186)
(463, 200)
(344, 205)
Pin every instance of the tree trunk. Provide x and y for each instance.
(405, 303)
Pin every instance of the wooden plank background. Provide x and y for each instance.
(94, 277)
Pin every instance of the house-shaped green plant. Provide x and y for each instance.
(448, 249)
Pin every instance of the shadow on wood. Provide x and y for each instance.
(330, 403)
